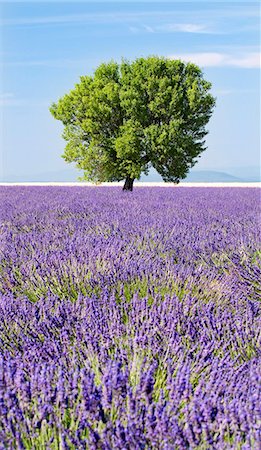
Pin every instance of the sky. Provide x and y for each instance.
(46, 46)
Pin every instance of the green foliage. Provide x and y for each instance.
(130, 116)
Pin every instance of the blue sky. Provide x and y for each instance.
(46, 46)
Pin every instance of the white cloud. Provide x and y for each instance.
(6, 95)
(206, 59)
(183, 28)
(57, 63)
(134, 29)
(49, 20)
(248, 61)
(224, 92)
(216, 10)
(9, 99)
(215, 59)
(149, 29)
(172, 28)
(90, 17)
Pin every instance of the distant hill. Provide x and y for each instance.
(57, 175)
(213, 176)
(203, 176)
(195, 176)
(210, 176)
(249, 173)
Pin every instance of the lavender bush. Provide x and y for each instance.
(129, 321)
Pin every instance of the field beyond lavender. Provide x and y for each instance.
(130, 321)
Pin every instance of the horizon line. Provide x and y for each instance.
(253, 184)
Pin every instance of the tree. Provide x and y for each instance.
(128, 117)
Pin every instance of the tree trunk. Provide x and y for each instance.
(128, 185)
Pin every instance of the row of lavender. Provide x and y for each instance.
(129, 320)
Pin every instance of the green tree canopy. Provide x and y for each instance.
(128, 117)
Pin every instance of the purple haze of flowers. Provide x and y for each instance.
(130, 321)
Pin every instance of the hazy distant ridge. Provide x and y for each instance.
(203, 176)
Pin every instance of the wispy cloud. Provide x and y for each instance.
(225, 92)
(209, 13)
(249, 60)
(172, 28)
(211, 59)
(89, 17)
(49, 20)
(6, 98)
(6, 95)
(55, 63)
(9, 99)
(184, 28)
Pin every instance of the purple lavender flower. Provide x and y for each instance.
(129, 323)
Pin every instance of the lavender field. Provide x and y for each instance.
(130, 321)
